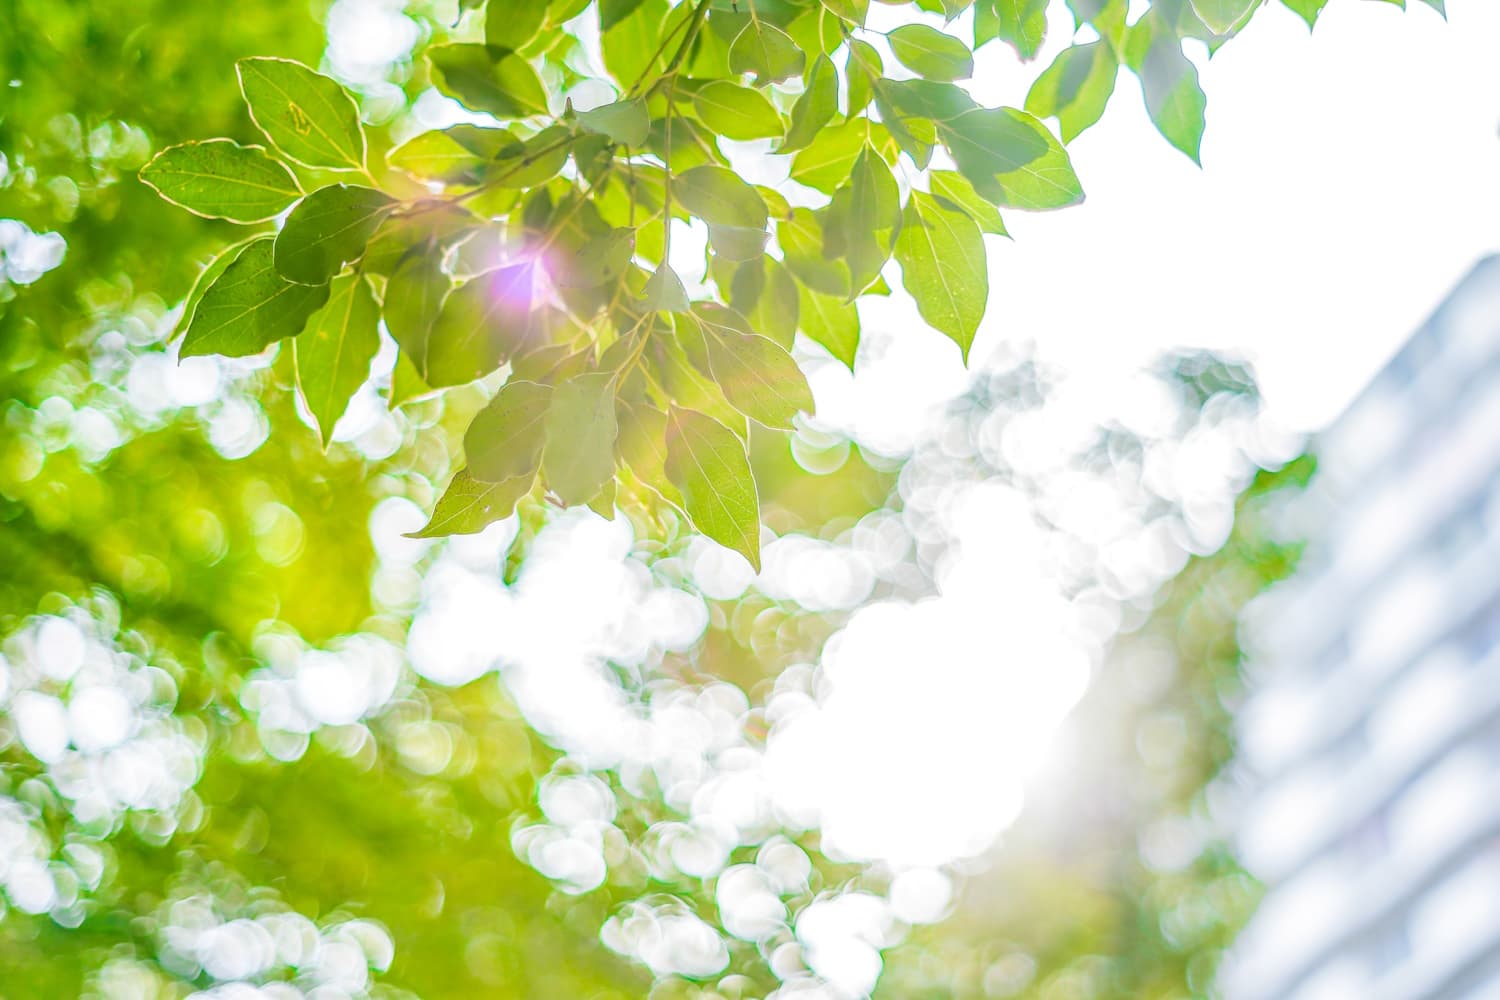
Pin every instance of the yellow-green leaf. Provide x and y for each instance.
(220, 179)
(332, 356)
(306, 115)
(708, 465)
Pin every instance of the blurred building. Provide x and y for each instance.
(1371, 743)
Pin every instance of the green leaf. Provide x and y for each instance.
(708, 465)
(250, 306)
(864, 68)
(1308, 10)
(579, 457)
(719, 196)
(1022, 24)
(767, 51)
(872, 207)
(632, 44)
(612, 12)
(530, 163)
(486, 79)
(1223, 15)
(220, 179)
(406, 382)
(941, 253)
(505, 438)
(600, 260)
(455, 155)
(1174, 100)
(775, 311)
(801, 238)
(643, 447)
(815, 108)
(758, 377)
(736, 112)
(328, 229)
(1012, 159)
(306, 115)
(414, 297)
(664, 291)
(955, 189)
(826, 162)
(469, 505)
(626, 122)
(931, 53)
(1075, 88)
(830, 321)
(482, 322)
(332, 356)
(207, 277)
(511, 25)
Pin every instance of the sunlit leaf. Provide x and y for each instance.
(505, 438)
(758, 377)
(768, 52)
(579, 457)
(414, 297)
(931, 53)
(664, 291)
(864, 68)
(1012, 159)
(333, 355)
(250, 306)
(306, 115)
(626, 122)
(488, 79)
(1223, 15)
(955, 188)
(1075, 88)
(1022, 24)
(719, 196)
(511, 25)
(481, 323)
(1308, 10)
(327, 229)
(601, 259)
(221, 179)
(1169, 81)
(469, 505)
(815, 108)
(830, 321)
(708, 465)
(941, 253)
(737, 112)
(207, 277)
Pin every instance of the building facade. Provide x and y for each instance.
(1370, 746)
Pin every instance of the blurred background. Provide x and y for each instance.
(1085, 672)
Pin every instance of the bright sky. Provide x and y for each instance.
(1350, 177)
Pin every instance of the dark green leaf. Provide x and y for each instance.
(327, 229)
(486, 79)
(942, 259)
(306, 115)
(626, 122)
(207, 277)
(612, 12)
(580, 453)
(413, 299)
(505, 438)
(221, 179)
(931, 53)
(469, 505)
(332, 356)
(736, 112)
(708, 465)
(250, 306)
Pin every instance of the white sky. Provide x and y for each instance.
(1350, 178)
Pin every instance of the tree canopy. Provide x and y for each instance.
(230, 760)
